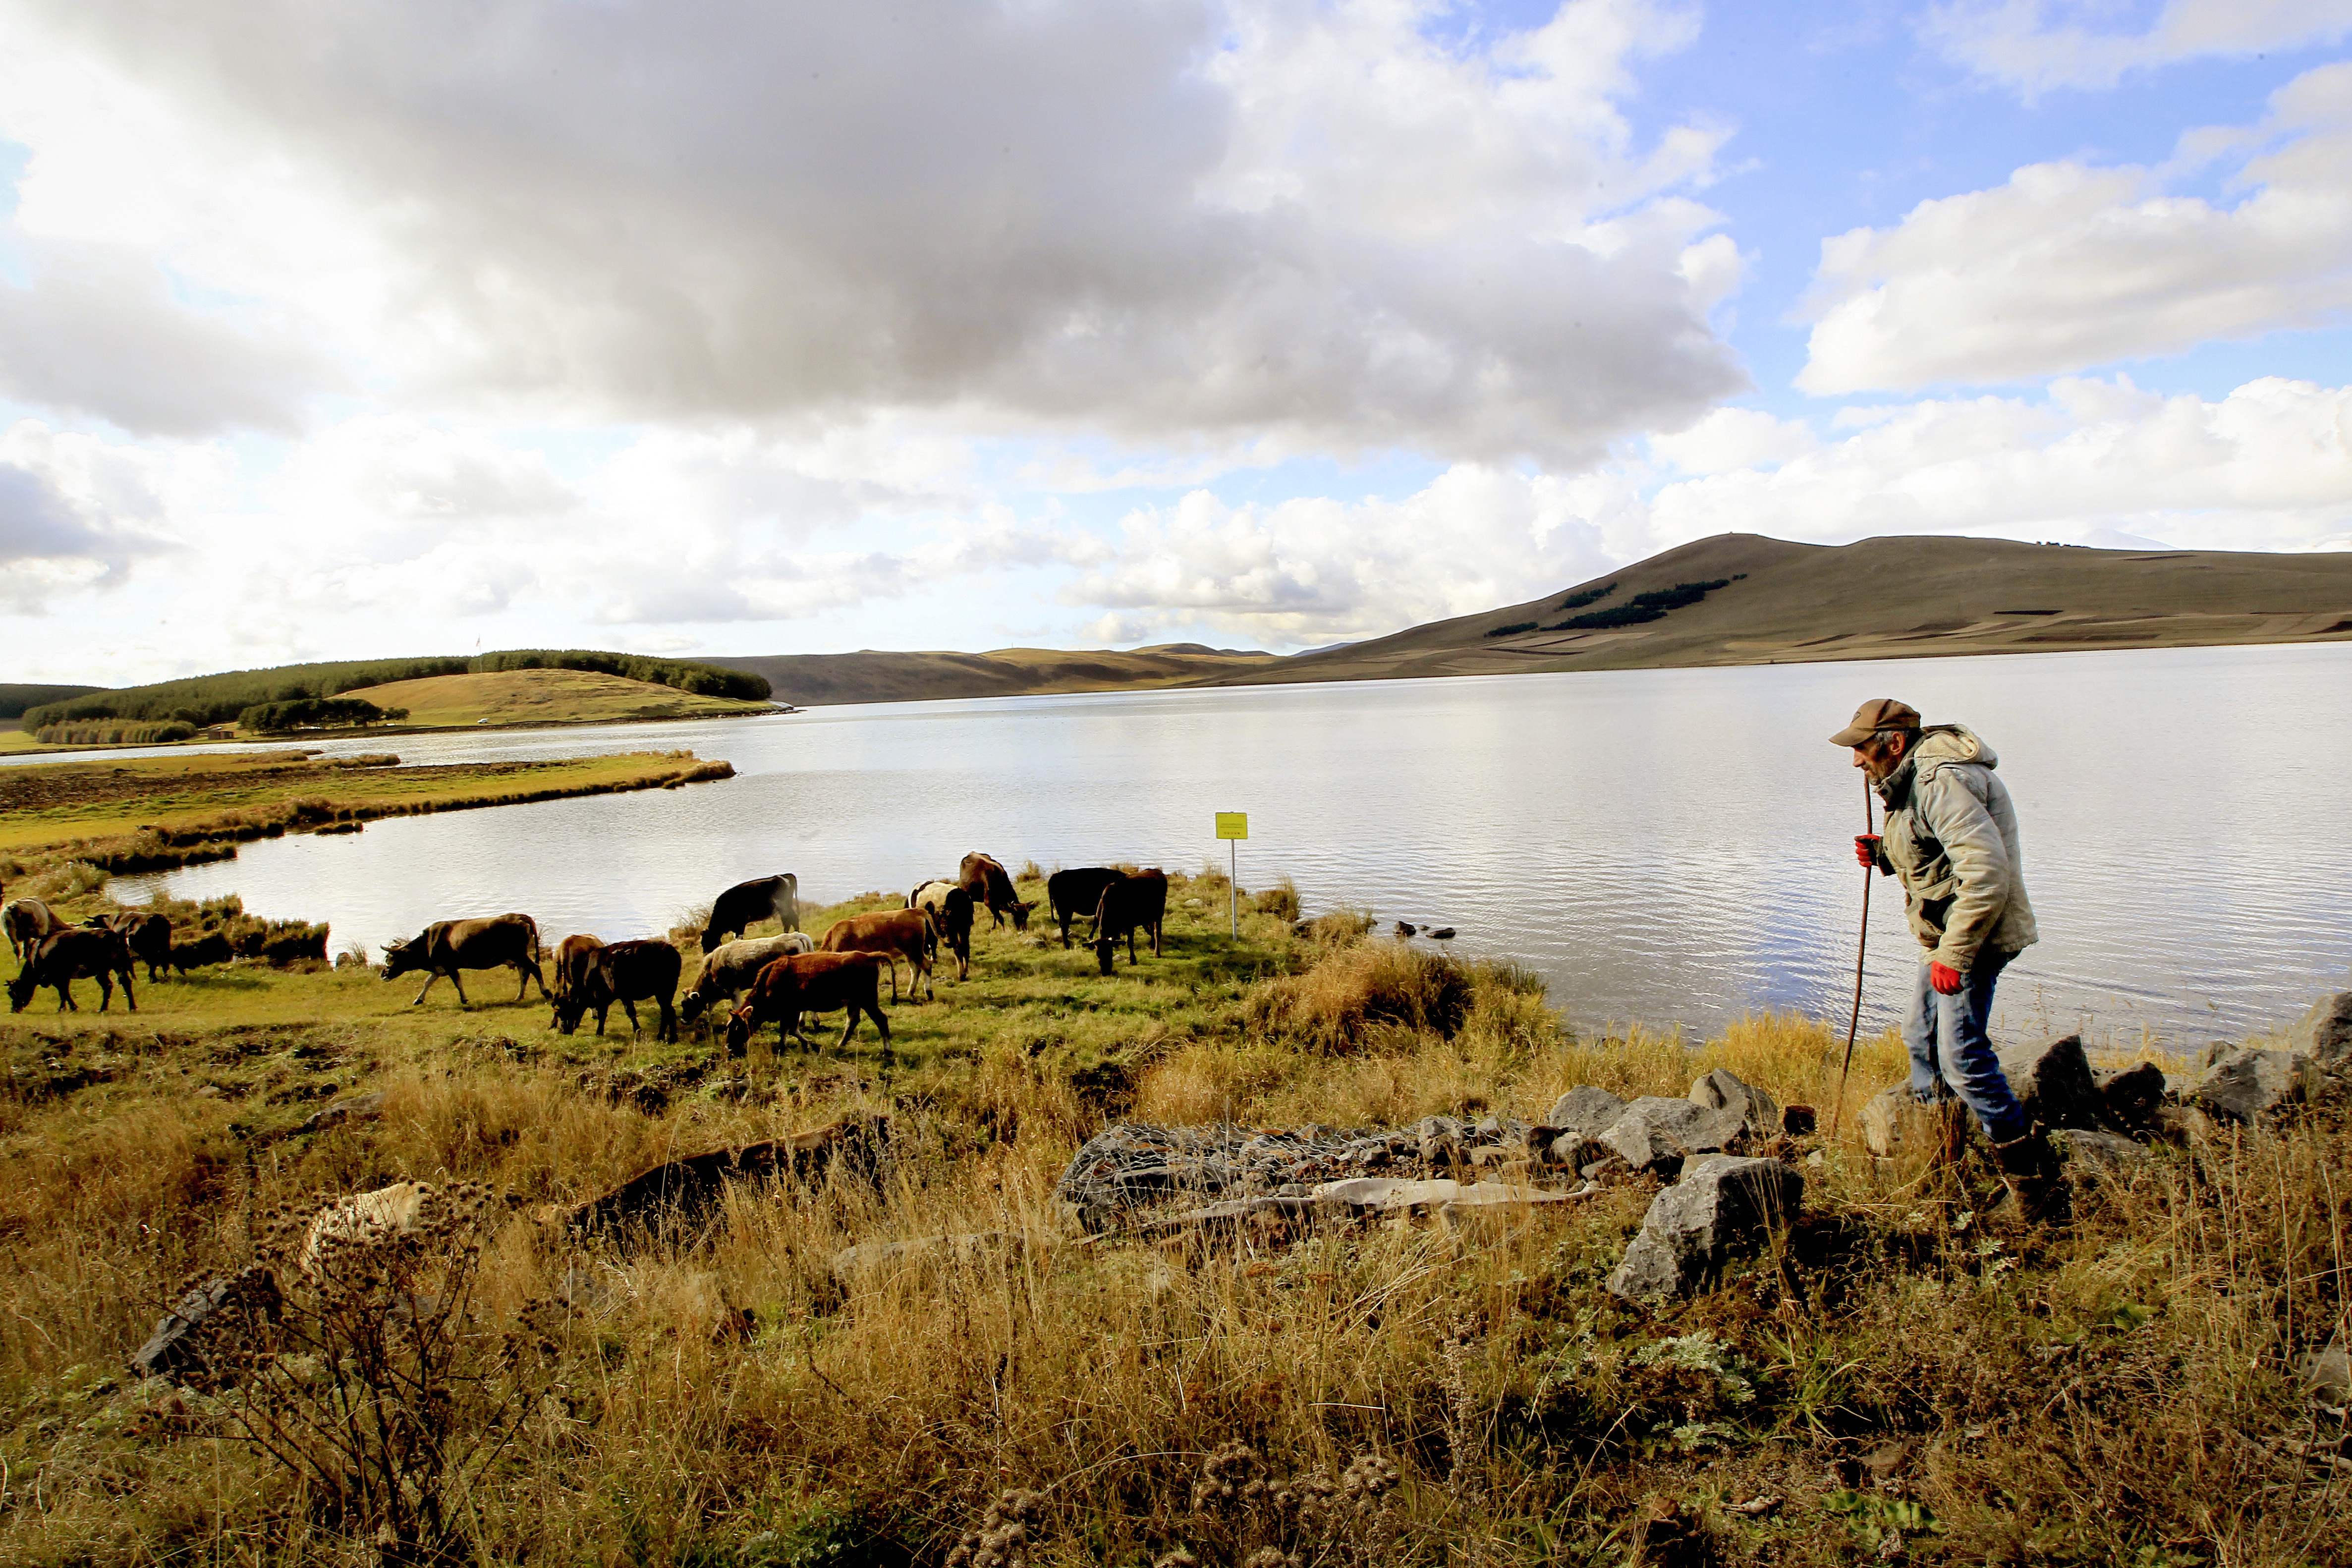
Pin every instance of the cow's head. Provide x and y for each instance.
(1021, 914)
(706, 941)
(691, 1008)
(740, 1025)
(1105, 946)
(20, 990)
(401, 958)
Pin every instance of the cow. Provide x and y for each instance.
(728, 973)
(148, 934)
(987, 883)
(27, 920)
(950, 908)
(894, 934)
(1132, 902)
(627, 973)
(445, 947)
(812, 983)
(73, 953)
(575, 958)
(210, 948)
(1078, 893)
(748, 903)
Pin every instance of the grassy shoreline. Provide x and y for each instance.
(2121, 1393)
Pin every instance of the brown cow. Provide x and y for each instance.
(950, 908)
(893, 933)
(1141, 901)
(148, 934)
(989, 885)
(627, 973)
(446, 946)
(65, 956)
(575, 960)
(27, 920)
(812, 983)
(1077, 892)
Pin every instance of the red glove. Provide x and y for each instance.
(1946, 980)
(1865, 849)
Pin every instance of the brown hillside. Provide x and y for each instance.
(1912, 596)
(812, 678)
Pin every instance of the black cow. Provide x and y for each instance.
(1141, 901)
(813, 983)
(1078, 893)
(65, 956)
(950, 908)
(148, 934)
(446, 947)
(746, 904)
(627, 973)
(989, 885)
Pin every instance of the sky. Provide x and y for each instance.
(731, 327)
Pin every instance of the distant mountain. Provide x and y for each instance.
(826, 678)
(1741, 598)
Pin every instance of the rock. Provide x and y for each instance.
(1657, 1131)
(350, 1108)
(2325, 1032)
(1722, 1204)
(2253, 1084)
(2326, 1375)
(2053, 1082)
(1886, 1461)
(1406, 928)
(1758, 1113)
(1893, 1122)
(1587, 1111)
(1373, 1193)
(171, 1350)
(361, 1218)
(1443, 933)
(2130, 1098)
(2103, 1151)
(1799, 1120)
(686, 1190)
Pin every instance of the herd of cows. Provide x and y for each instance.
(760, 979)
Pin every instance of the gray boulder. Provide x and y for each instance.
(1894, 1120)
(2053, 1082)
(2100, 1151)
(1758, 1113)
(1722, 1204)
(176, 1350)
(2327, 1376)
(2324, 1033)
(2254, 1084)
(1656, 1131)
(2132, 1096)
(1586, 1111)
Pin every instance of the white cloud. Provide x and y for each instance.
(75, 513)
(1178, 221)
(2035, 46)
(1732, 439)
(2068, 266)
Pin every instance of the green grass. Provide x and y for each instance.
(545, 697)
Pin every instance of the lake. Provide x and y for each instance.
(1666, 846)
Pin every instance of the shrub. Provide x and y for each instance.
(1340, 1002)
(99, 733)
(1643, 607)
(1590, 596)
(1280, 900)
(314, 712)
(1513, 630)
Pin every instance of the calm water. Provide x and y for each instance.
(1671, 846)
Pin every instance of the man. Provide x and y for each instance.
(1951, 837)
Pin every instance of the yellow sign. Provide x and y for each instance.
(1233, 824)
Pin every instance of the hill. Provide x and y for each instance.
(545, 697)
(874, 677)
(1747, 599)
(16, 697)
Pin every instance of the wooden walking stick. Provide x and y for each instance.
(1870, 824)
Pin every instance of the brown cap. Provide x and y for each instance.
(1878, 713)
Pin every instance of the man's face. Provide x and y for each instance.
(1882, 753)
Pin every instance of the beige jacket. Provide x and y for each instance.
(1951, 836)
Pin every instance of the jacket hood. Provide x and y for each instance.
(1952, 743)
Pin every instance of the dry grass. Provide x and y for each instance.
(2122, 1394)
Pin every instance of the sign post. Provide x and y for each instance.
(1232, 826)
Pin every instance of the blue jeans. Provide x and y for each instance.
(1950, 1055)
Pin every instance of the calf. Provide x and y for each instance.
(894, 934)
(987, 884)
(148, 934)
(65, 956)
(627, 973)
(729, 971)
(26, 921)
(1127, 904)
(812, 983)
(1078, 893)
(950, 908)
(445, 947)
(749, 903)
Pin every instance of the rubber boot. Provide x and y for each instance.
(2038, 1193)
